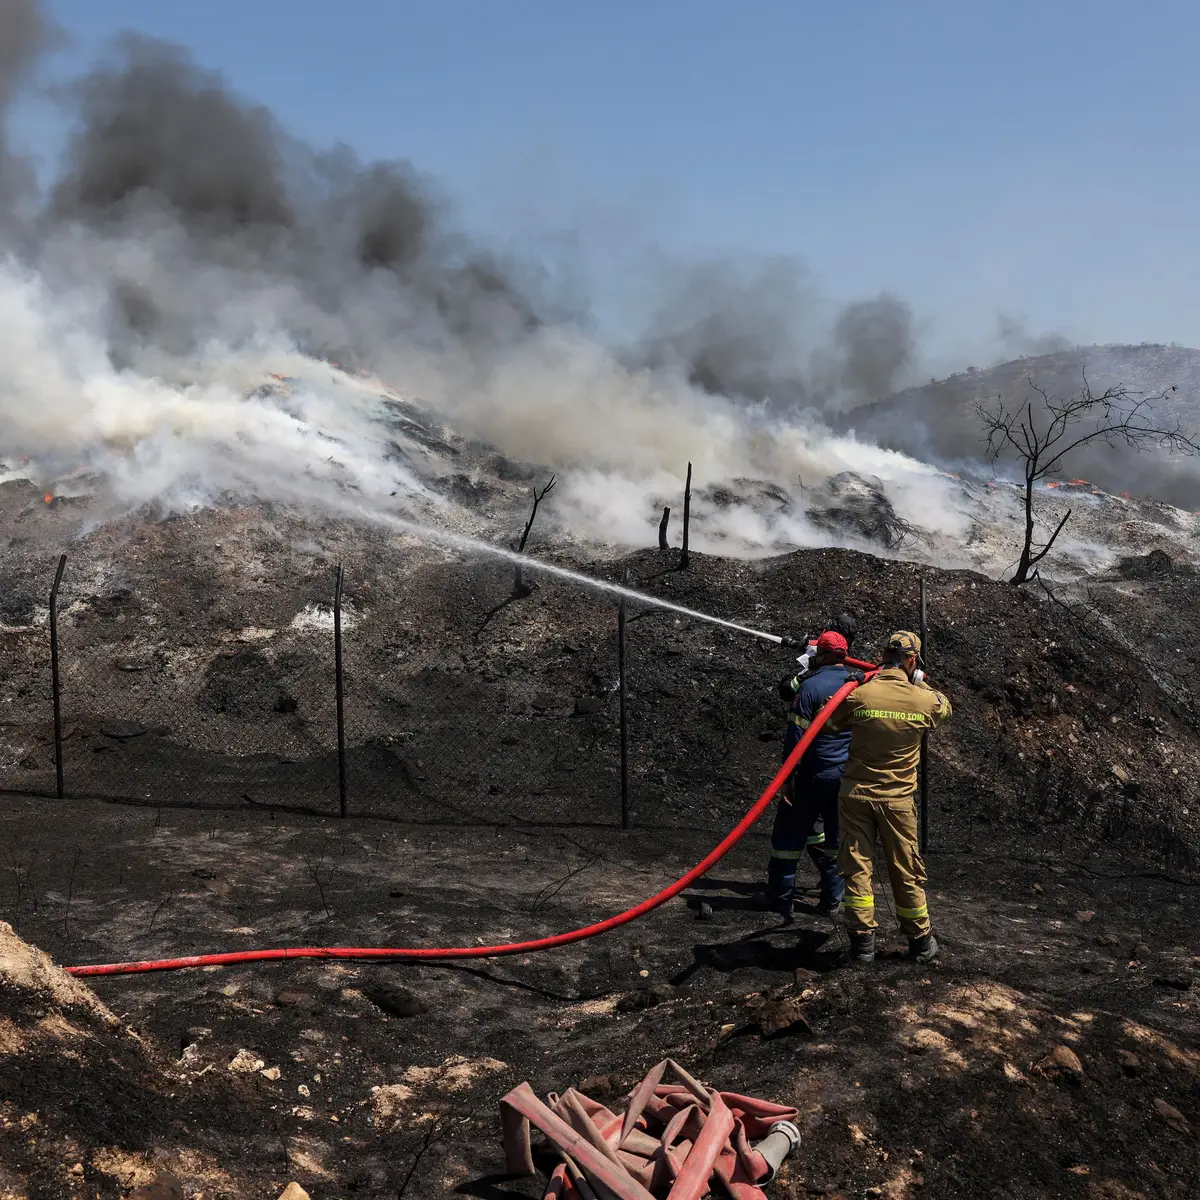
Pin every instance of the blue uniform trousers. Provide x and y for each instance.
(808, 825)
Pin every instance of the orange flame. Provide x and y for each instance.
(49, 497)
(1079, 482)
(1054, 485)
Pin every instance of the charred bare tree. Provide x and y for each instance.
(662, 528)
(687, 519)
(1041, 439)
(520, 587)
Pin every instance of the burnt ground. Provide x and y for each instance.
(483, 763)
(918, 1081)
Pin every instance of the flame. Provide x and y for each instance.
(49, 497)
(1054, 485)
(1079, 482)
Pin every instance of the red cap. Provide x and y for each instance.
(831, 643)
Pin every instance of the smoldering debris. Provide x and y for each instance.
(856, 505)
(189, 249)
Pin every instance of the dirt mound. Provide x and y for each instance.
(87, 1107)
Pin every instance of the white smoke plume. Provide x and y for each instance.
(188, 249)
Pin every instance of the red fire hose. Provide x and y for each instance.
(546, 943)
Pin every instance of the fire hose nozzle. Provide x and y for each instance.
(787, 641)
(782, 1138)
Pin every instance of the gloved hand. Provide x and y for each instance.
(804, 662)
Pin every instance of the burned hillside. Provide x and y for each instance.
(483, 782)
(198, 654)
(1052, 1052)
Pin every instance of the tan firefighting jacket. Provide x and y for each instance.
(886, 716)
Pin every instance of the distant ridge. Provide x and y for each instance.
(937, 420)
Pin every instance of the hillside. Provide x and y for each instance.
(1051, 1054)
(937, 420)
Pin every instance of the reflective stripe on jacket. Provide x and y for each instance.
(886, 717)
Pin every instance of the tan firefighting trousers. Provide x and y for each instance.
(894, 823)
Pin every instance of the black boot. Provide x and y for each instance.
(862, 947)
(765, 902)
(923, 949)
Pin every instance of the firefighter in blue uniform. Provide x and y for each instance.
(806, 819)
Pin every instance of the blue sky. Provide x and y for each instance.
(1041, 159)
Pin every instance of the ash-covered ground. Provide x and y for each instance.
(1052, 1053)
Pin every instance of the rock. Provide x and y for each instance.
(121, 730)
(1061, 1063)
(645, 998)
(164, 1186)
(1180, 982)
(300, 1000)
(1121, 774)
(586, 706)
(396, 1001)
(1128, 1061)
(704, 911)
(245, 1062)
(271, 1073)
(1141, 951)
(294, 1191)
(783, 1016)
(1108, 939)
(598, 1086)
(1037, 887)
(543, 701)
(1084, 916)
(1172, 1116)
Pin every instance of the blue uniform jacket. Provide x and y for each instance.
(826, 758)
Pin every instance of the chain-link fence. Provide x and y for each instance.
(453, 695)
(508, 714)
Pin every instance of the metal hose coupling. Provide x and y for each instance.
(782, 1138)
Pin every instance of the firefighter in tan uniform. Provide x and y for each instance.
(886, 716)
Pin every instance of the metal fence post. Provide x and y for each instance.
(624, 722)
(337, 669)
(924, 736)
(54, 684)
